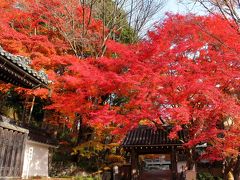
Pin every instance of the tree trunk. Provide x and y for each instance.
(80, 129)
(232, 169)
(236, 171)
(190, 160)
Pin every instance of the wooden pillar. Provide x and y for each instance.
(134, 164)
(174, 163)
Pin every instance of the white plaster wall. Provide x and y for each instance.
(181, 166)
(38, 164)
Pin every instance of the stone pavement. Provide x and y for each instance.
(156, 175)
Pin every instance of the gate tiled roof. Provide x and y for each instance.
(147, 136)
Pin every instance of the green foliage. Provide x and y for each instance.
(120, 100)
(61, 156)
(115, 19)
(38, 111)
(98, 153)
(89, 149)
(90, 155)
(12, 99)
(87, 178)
(88, 164)
(207, 176)
(128, 36)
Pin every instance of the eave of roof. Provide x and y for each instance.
(18, 67)
(6, 125)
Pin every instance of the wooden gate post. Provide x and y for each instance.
(134, 164)
(174, 163)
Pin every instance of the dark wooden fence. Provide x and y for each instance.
(12, 146)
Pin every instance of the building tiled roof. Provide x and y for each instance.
(147, 136)
(22, 63)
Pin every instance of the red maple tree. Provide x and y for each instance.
(185, 75)
(53, 34)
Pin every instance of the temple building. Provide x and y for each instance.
(24, 151)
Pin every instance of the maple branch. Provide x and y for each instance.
(215, 37)
(226, 8)
(91, 9)
(161, 120)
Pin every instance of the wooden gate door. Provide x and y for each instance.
(12, 146)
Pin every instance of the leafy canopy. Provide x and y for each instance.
(186, 74)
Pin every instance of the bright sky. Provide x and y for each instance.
(183, 7)
(175, 6)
